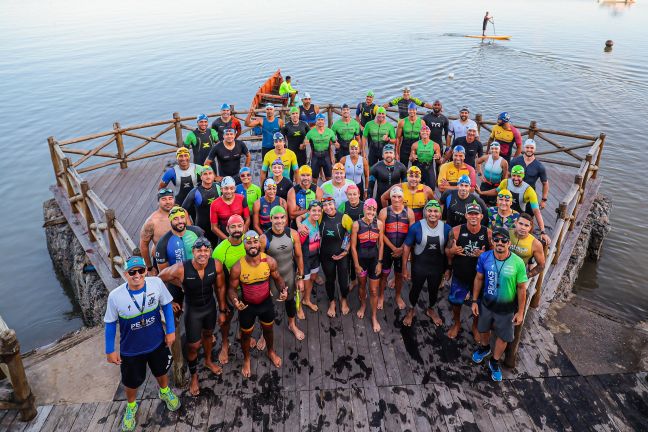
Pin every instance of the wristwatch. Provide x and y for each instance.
(544, 199)
(299, 277)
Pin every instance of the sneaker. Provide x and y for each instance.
(171, 400)
(496, 371)
(129, 422)
(481, 353)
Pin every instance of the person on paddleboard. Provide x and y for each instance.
(487, 19)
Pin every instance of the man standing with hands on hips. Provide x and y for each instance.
(136, 305)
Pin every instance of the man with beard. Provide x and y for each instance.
(455, 201)
(322, 141)
(459, 127)
(337, 186)
(346, 129)
(199, 200)
(407, 133)
(201, 140)
(533, 170)
(295, 132)
(474, 148)
(437, 122)
(228, 154)
(228, 204)
(506, 135)
(378, 134)
(226, 121)
(197, 277)
(501, 284)
(425, 154)
(403, 102)
(427, 239)
(307, 111)
(502, 215)
(301, 195)
(270, 125)
(526, 246)
(465, 243)
(183, 175)
(450, 172)
(386, 173)
(283, 244)
(251, 275)
(415, 194)
(366, 111)
(524, 197)
(155, 226)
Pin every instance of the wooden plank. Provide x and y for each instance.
(186, 414)
(345, 416)
(363, 358)
(323, 410)
(341, 360)
(290, 414)
(81, 419)
(573, 406)
(375, 408)
(424, 407)
(398, 407)
(359, 407)
(612, 407)
(54, 418)
(291, 370)
(100, 416)
(117, 409)
(216, 418)
(327, 339)
(143, 414)
(304, 410)
(7, 418)
(540, 405)
(355, 375)
(313, 339)
(68, 417)
(631, 398)
(36, 424)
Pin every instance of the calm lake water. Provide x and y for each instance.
(68, 68)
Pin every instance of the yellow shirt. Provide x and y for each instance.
(522, 247)
(289, 160)
(451, 173)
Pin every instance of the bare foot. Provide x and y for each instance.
(261, 344)
(400, 303)
(344, 306)
(434, 316)
(194, 388)
(311, 306)
(376, 326)
(381, 302)
(391, 283)
(454, 331)
(361, 311)
(298, 333)
(214, 368)
(223, 355)
(274, 358)
(253, 341)
(300, 314)
(246, 370)
(331, 310)
(407, 321)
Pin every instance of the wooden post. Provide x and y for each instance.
(68, 184)
(578, 179)
(110, 222)
(178, 358)
(510, 358)
(532, 129)
(86, 210)
(598, 156)
(56, 164)
(535, 301)
(119, 139)
(330, 115)
(478, 120)
(178, 129)
(10, 355)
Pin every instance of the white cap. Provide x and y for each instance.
(396, 190)
(530, 142)
(306, 96)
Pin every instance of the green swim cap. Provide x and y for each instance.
(277, 210)
(517, 170)
(294, 110)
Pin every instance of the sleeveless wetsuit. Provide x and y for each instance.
(367, 247)
(335, 231)
(411, 133)
(396, 229)
(355, 172)
(464, 267)
(281, 247)
(255, 289)
(522, 247)
(200, 305)
(200, 199)
(172, 249)
(264, 212)
(425, 161)
(307, 115)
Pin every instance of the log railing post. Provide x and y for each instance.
(56, 164)
(68, 183)
(532, 129)
(114, 252)
(598, 156)
(119, 140)
(330, 115)
(86, 210)
(10, 355)
(579, 180)
(178, 358)
(478, 120)
(535, 301)
(178, 129)
(510, 358)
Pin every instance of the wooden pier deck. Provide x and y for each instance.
(344, 377)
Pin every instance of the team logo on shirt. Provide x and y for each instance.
(330, 233)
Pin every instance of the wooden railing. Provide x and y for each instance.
(106, 231)
(11, 367)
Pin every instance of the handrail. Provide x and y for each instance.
(114, 242)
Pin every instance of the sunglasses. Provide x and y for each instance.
(248, 238)
(271, 187)
(245, 175)
(165, 191)
(503, 240)
(204, 243)
(326, 200)
(136, 271)
(506, 197)
(315, 204)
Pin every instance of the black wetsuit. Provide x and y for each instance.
(295, 135)
(228, 161)
(454, 208)
(200, 305)
(333, 235)
(386, 176)
(438, 124)
(199, 200)
(204, 144)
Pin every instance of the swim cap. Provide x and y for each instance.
(517, 170)
(201, 242)
(381, 110)
(411, 105)
(278, 136)
(269, 182)
(229, 130)
(370, 203)
(228, 181)
(278, 161)
(396, 191)
(352, 187)
(294, 110)
(459, 149)
(245, 170)
(425, 127)
(306, 96)
(327, 198)
(165, 192)
(320, 116)
(338, 167)
(306, 169)
(505, 193)
(370, 93)
(345, 105)
(464, 109)
(182, 151)
(234, 219)
(504, 117)
(388, 147)
(251, 234)
(277, 210)
(205, 168)
(495, 144)
(354, 143)
(414, 169)
(202, 117)
(529, 142)
(269, 105)
(225, 106)
(177, 211)
(464, 179)
(432, 203)
(406, 89)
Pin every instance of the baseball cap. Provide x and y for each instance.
(501, 232)
(388, 147)
(473, 208)
(134, 262)
(345, 105)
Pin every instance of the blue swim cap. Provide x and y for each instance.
(505, 117)
(320, 116)
(225, 106)
(464, 179)
(411, 105)
(459, 149)
(245, 170)
(278, 136)
(202, 117)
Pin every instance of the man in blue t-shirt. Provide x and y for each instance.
(533, 169)
(136, 305)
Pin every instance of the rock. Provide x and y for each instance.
(600, 220)
(69, 260)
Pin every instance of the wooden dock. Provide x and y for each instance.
(343, 376)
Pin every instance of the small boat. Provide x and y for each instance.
(269, 92)
(488, 37)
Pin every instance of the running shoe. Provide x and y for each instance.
(171, 400)
(128, 421)
(481, 353)
(496, 371)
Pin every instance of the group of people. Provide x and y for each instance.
(353, 202)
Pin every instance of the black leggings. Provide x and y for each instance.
(431, 275)
(428, 173)
(333, 269)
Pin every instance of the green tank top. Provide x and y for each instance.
(425, 152)
(411, 130)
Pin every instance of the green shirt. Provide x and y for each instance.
(252, 194)
(346, 131)
(321, 141)
(425, 153)
(228, 254)
(191, 140)
(411, 130)
(375, 132)
(286, 88)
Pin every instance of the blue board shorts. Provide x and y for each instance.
(459, 292)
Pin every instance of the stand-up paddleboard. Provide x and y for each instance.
(488, 37)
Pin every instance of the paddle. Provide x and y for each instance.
(493, 22)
